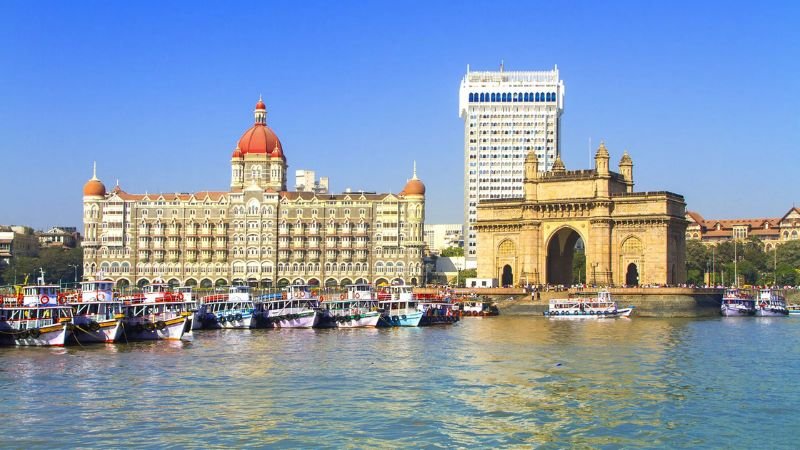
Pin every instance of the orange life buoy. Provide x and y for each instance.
(357, 296)
(44, 299)
(180, 296)
(342, 297)
(301, 294)
(62, 298)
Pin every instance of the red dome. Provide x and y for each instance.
(260, 139)
(94, 187)
(237, 153)
(414, 187)
(260, 104)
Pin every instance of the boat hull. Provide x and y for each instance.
(583, 315)
(365, 320)
(173, 330)
(307, 319)
(410, 319)
(426, 320)
(729, 311)
(48, 336)
(771, 312)
(104, 331)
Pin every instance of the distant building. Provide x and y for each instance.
(770, 230)
(17, 240)
(443, 235)
(506, 116)
(64, 237)
(305, 181)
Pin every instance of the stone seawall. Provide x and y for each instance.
(648, 302)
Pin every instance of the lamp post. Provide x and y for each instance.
(75, 266)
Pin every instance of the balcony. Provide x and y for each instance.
(191, 244)
(283, 256)
(283, 231)
(205, 245)
(298, 256)
(312, 231)
(191, 231)
(220, 244)
(173, 232)
(158, 231)
(283, 244)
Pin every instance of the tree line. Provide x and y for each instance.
(753, 264)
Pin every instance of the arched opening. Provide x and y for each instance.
(381, 282)
(174, 282)
(220, 282)
(361, 281)
(346, 281)
(413, 281)
(191, 282)
(142, 282)
(632, 275)
(507, 279)
(283, 282)
(266, 282)
(122, 283)
(330, 282)
(205, 283)
(560, 256)
(313, 282)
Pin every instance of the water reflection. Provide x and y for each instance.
(505, 381)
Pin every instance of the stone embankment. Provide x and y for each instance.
(648, 302)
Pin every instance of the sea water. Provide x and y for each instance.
(484, 382)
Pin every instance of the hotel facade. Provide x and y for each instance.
(257, 232)
(506, 116)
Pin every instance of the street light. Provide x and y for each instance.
(75, 266)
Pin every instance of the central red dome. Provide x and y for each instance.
(260, 139)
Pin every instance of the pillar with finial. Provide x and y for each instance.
(531, 175)
(626, 170)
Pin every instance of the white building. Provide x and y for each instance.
(442, 235)
(506, 115)
(306, 181)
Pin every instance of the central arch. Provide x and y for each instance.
(632, 275)
(560, 255)
(508, 276)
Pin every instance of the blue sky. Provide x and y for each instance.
(704, 95)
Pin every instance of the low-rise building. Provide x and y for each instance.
(64, 237)
(17, 240)
(771, 231)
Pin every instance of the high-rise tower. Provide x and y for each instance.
(506, 116)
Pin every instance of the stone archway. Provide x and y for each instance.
(507, 278)
(560, 254)
(632, 275)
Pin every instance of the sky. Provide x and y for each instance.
(705, 96)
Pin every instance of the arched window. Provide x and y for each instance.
(494, 96)
(481, 96)
(632, 246)
(256, 172)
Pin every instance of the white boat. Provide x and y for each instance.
(599, 307)
(356, 309)
(234, 309)
(475, 307)
(97, 315)
(398, 306)
(737, 303)
(297, 308)
(771, 303)
(158, 313)
(794, 310)
(36, 316)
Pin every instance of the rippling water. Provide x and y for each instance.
(498, 382)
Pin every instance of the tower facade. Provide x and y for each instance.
(506, 116)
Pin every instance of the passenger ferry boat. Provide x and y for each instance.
(399, 307)
(599, 307)
(36, 316)
(771, 303)
(356, 309)
(232, 310)
(297, 308)
(157, 314)
(474, 307)
(438, 311)
(737, 303)
(97, 315)
(794, 310)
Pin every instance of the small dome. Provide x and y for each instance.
(602, 151)
(260, 104)
(95, 188)
(415, 186)
(626, 159)
(277, 153)
(558, 165)
(237, 153)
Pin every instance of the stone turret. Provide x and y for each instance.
(558, 166)
(626, 170)
(601, 160)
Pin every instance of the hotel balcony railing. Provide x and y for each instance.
(173, 232)
(205, 245)
(191, 244)
(157, 232)
(220, 244)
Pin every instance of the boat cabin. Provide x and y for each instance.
(239, 294)
(186, 291)
(298, 291)
(361, 291)
(97, 291)
(40, 295)
(401, 292)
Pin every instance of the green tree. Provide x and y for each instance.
(452, 251)
(697, 261)
(57, 264)
(578, 266)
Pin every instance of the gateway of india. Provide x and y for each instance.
(257, 232)
(629, 238)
